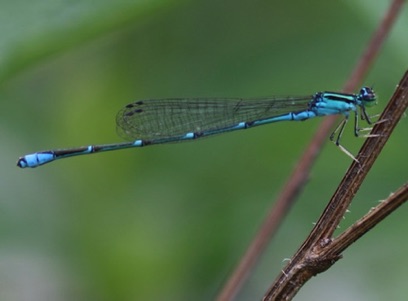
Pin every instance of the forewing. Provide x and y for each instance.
(164, 118)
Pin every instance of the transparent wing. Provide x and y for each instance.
(163, 118)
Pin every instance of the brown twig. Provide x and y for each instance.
(316, 254)
(366, 223)
(301, 172)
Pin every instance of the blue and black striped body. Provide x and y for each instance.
(149, 122)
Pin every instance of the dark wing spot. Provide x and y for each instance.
(134, 104)
(131, 113)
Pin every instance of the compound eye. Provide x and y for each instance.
(367, 96)
(367, 93)
(364, 92)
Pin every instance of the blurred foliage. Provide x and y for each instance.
(170, 222)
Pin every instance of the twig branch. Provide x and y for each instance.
(366, 223)
(316, 254)
(301, 172)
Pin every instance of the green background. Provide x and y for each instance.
(169, 222)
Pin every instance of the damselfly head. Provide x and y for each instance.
(367, 96)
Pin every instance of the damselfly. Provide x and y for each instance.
(157, 121)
